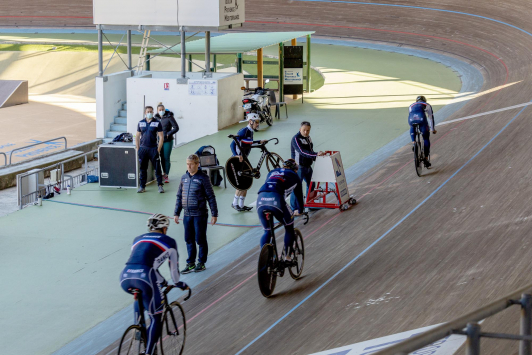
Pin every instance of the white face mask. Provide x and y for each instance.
(161, 113)
(149, 115)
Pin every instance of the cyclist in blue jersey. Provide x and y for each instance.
(280, 183)
(420, 113)
(148, 253)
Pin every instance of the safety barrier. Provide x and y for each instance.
(31, 197)
(468, 325)
(33, 145)
(5, 158)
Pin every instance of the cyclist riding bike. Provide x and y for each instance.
(148, 253)
(280, 183)
(420, 113)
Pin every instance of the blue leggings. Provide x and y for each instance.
(143, 278)
(425, 132)
(275, 203)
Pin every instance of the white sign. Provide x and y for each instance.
(190, 13)
(293, 76)
(203, 87)
(329, 168)
(446, 346)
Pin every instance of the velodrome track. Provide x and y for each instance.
(433, 247)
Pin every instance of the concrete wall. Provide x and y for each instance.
(230, 100)
(110, 94)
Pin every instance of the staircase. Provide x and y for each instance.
(119, 125)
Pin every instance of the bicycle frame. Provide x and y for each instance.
(265, 152)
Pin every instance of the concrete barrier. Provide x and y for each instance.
(13, 92)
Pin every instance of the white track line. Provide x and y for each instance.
(485, 113)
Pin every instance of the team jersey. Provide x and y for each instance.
(148, 132)
(284, 182)
(245, 137)
(152, 250)
(421, 112)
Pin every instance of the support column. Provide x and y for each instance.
(100, 51)
(183, 55)
(260, 68)
(308, 64)
(214, 63)
(473, 339)
(281, 72)
(190, 62)
(526, 323)
(129, 60)
(207, 51)
(148, 62)
(239, 63)
(294, 43)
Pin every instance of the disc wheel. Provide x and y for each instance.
(133, 341)
(417, 159)
(266, 270)
(298, 256)
(172, 341)
(239, 173)
(273, 161)
(268, 114)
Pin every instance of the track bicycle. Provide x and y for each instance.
(241, 173)
(270, 265)
(174, 328)
(419, 151)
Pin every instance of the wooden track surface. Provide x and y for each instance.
(468, 244)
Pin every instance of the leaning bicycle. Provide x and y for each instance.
(172, 340)
(420, 159)
(241, 173)
(270, 265)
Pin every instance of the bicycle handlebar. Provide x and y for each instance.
(170, 287)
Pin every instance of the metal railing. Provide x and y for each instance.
(31, 197)
(468, 325)
(33, 145)
(5, 158)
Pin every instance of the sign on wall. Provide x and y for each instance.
(293, 70)
(293, 76)
(203, 87)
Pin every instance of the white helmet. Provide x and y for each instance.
(253, 117)
(158, 221)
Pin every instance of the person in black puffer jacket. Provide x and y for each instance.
(195, 191)
(170, 127)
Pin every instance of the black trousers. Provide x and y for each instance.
(145, 156)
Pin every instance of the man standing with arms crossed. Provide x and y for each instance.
(149, 142)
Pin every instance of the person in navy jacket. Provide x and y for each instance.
(195, 191)
(420, 113)
(303, 153)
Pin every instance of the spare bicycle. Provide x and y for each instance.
(241, 174)
(419, 151)
(270, 265)
(172, 340)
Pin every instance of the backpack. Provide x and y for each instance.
(123, 137)
(216, 178)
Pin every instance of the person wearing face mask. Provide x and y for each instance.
(149, 142)
(303, 153)
(170, 127)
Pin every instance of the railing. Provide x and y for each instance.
(41, 189)
(467, 325)
(33, 145)
(5, 158)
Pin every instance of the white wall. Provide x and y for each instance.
(230, 100)
(110, 95)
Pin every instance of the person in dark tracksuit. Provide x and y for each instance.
(149, 142)
(303, 153)
(195, 191)
(170, 128)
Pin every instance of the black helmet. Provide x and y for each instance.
(421, 98)
(290, 164)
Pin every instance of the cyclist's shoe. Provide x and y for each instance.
(237, 207)
(200, 267)
(413, 145)
(189, 268)
(141, 190)
(246, 208)
(161, 190)
(427, 163)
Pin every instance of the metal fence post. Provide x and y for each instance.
(473, 339)
(526, 323)
(100, 51)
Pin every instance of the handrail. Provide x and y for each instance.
(33, 145)
(457, 325)
(56, 165)
(5, 158)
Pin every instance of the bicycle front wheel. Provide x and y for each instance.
(417, 158)
(266, 270)
(174, 332)
(133, 341)
(298, 256)
(273, 161)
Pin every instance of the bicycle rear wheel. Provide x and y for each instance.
(273, 161)
(174, 332)
(239, 173)
(133, 341)
(268, 114)
(298, 256)
(417, 158)
(266, 273)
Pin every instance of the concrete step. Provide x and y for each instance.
(122, 113)
(120, 120)
(124, 106)
(112, 134)
(119, 127)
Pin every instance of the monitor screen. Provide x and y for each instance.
(207, 160)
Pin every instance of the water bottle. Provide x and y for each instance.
(68, 189)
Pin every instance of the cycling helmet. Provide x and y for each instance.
(158, 221)
(421, 98)
(253, 117)
(290, 164)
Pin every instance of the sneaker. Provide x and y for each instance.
(237, 208)
(189, 268)
(246, 208)
(141, 190)
(161, 190)
(166, 181)
(200, 267)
